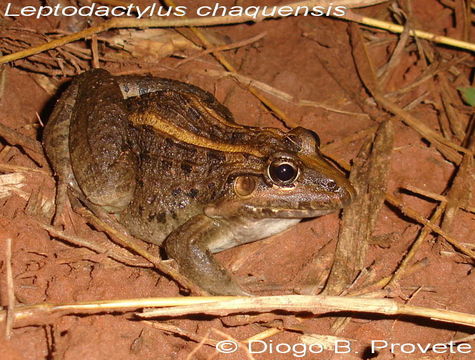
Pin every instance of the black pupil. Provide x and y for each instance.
(283, 172)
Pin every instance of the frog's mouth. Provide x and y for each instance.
(302, 208)
(292, 213)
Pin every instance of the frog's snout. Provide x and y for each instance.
(347, 193)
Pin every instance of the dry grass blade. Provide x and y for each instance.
(12, 184)
(451, 100)
(460, 193)
(116, 253)
(369, 175)
(414, 215)
(420, 219)
(32, 148)
(181, 332)
(315, 304)
(395, 28)
(415, 247)
(279, 94)
(225, 305)
(45, 313)
(118, 235)
(367, 74)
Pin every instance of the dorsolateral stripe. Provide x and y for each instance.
(188, 137)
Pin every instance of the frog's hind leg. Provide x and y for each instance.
(56, 143)
(102, 158)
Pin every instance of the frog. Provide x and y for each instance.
(170, 164)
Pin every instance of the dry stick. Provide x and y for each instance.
(414, 215)
(316, 305)
(32, 147)
(131, 243)
(460, 192)
(368, 174)
(416, 33)
(434, 196)
(33, 313)
(415, 246)
(231, 46)
(425, 193)
(225, 305)
(181, 332)
(17, 168)
(95, 51)
(250, 82)
(422, 220)
(381, 283)
(94, 246)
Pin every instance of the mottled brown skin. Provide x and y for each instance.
(174, 167)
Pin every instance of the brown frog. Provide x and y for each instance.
(170, 162)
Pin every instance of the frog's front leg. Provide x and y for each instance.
(191, 246)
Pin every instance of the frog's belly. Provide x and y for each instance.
(243, 231)
(154, 225)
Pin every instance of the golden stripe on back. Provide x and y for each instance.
(170, 129)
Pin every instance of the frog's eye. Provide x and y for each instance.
(283, 172)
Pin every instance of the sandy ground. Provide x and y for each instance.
(310, 59)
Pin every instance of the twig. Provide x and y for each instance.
(31, 314)
(18, 168)
(112, 228)
(234, 45)
(422, 220)
(247, 81)
(181, 332)
(32, 147)
(434, 196)
(415, 246)
(395, 28)
(413, 214)
(425, 193)
(95, 247)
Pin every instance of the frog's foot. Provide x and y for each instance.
(190, 246)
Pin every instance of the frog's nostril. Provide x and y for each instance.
(331, 185)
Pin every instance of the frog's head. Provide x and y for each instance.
(293, 182)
